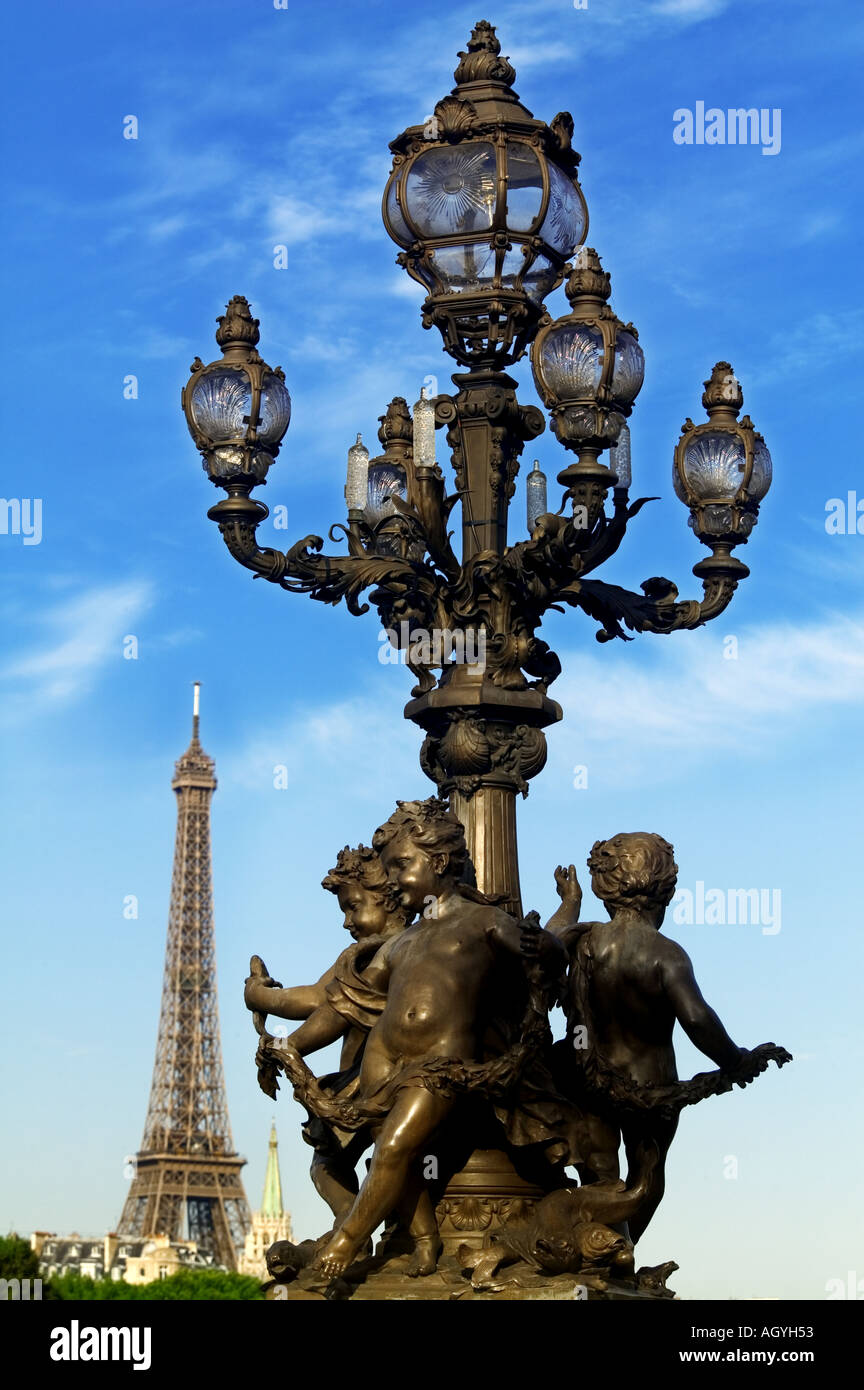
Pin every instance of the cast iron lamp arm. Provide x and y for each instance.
(557, 553)
(609, 536)
(238, 517)
(657, 609)
(327, 578)
(430, 511)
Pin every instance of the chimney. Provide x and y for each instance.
(38, 1239)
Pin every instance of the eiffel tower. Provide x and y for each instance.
(187, 1182)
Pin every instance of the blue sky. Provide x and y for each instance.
(260, 127)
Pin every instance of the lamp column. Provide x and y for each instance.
(484, 741)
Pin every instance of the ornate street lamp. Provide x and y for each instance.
(588, 368)
(238, 408)
(485, 201)
(722, 470)
(485, 204)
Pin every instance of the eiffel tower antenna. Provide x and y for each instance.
(187, 1182)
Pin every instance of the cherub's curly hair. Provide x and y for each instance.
(432, 826)
(633, 870)
(363, 866)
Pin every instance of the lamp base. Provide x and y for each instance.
(384, 1279)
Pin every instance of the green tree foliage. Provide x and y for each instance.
(17, 1260)
(197, 1284)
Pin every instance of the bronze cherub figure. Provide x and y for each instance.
(434, 988)
(372, 914)
(627, 987)
(443, 999)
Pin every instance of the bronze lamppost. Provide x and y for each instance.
(484, 201)
(485, 204)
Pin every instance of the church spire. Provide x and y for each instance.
(271, 1202)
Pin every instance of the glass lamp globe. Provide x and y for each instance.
(237, 409)
(385, 481)
(588, 366)
(485, 204)
(722, 469)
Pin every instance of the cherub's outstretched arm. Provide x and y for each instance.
(696, 1017)
(267, 996)
(564, 923)
(528, 940)
(325, 1024)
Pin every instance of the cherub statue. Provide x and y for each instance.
(437, 985)
(372, 916)
(627, 987)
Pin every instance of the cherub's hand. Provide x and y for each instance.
(257, 981)
(540, 947)
(529, 939)
(268, 1069)
(752, 1062)
(258, 971)
(567, 886)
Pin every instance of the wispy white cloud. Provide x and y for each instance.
(839, 556)
(81, 635)
(694, 701)
(226, 249)
(820, 225)
(319, 742)
(687, 699)
(165, 227)
(626, 22)
(179, 637)
(291, 220)
(406, 288)
(689, 11)
(814, 344)
(532, 55)
(155, 345)
(323, 347)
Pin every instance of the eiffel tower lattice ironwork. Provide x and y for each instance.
(187, 1182)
